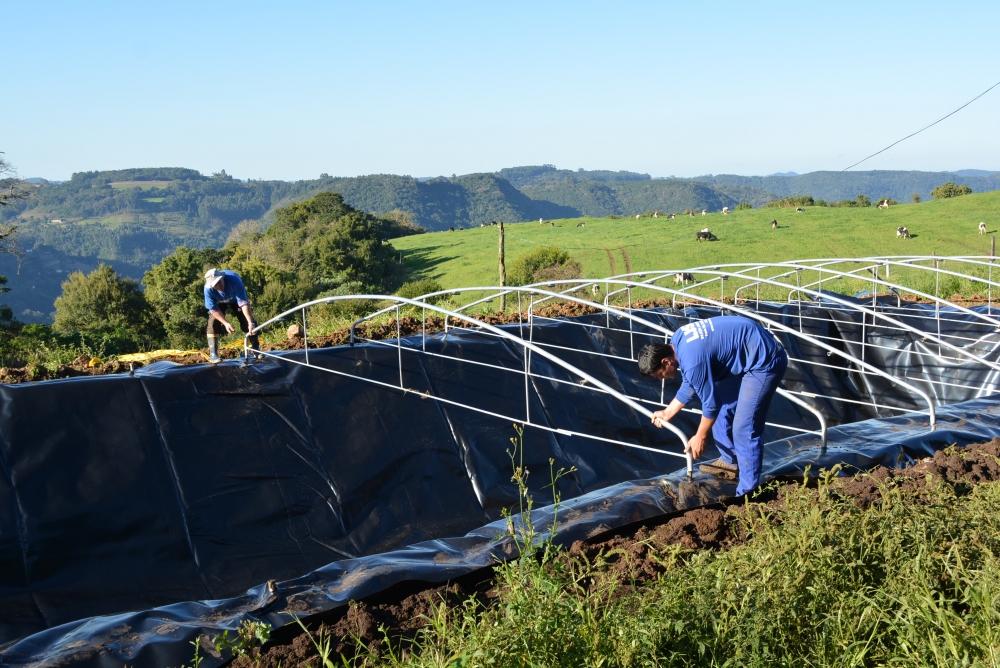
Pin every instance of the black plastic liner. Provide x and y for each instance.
(187, 483)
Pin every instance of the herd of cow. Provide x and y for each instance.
(706, 234)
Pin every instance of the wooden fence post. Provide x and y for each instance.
(503, 271)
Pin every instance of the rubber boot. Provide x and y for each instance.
(213, 350)
(254, 341)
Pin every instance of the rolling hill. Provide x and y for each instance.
(606, 247)
(134, 217)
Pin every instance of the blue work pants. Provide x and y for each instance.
(739, 428)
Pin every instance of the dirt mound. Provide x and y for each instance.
(364, 623)
(632, 555)
(960, 467)
(408, 326)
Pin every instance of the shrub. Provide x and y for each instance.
(821, 202)
(743, 206)
(414, 289)
(571, 269)
(522, 270)
(104, 304)
(946, 190)
(916, 198)
(790, 202)
(863, 200)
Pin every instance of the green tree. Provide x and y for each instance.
(12, 188)
(863, 200)
(524, 269)
(916, 198)
(742, 206)
(414, 289)
(174, 288)
(328, 244)
(946, 190)
(104, 304)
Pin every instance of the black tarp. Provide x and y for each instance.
(193, 483)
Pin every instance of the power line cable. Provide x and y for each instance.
(897, 141)
(913, 134)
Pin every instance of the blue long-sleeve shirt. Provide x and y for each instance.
(233, 291)
(710, 350)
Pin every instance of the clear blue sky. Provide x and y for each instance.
(290, 90)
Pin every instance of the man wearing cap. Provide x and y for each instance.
(224, 288)
(734, 366)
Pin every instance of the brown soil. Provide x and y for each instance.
(632, 555)
(408, 326)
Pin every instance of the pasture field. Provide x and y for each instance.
(605, 247)
(142, 185)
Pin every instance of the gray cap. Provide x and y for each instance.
(212, 277)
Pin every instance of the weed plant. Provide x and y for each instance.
(912, 580)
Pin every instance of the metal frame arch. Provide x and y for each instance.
(882, 316)
(760, 318)
(526, 345)
(842, 302)
(880, 281)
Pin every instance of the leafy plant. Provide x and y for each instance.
(523, 270)
(105, 304)
(949, 189)
(249, 638)
(414, 289)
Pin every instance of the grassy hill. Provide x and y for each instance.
(132, 218)
(609, 246)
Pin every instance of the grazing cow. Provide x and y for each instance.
(704, 212)
(982, 228)
(451, 229)
(705, 235)
(539, 221)
(580, 225)
(883, 204)
(683, 278)
(656, 214)
(725, 210)
(595, 289)
(800, 209)
(671, 216)
(637, 216)
(551, 224)
(902, 232)
(774, 224)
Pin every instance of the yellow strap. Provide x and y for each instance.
(156, 354)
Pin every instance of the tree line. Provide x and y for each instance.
(315, 248)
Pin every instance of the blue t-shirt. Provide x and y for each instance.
(233, 292)
(708, 351)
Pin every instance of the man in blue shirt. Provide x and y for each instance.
(224, 289)
(734, 366)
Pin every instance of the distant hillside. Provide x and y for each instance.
(436, 204)
(898, 185)
(132, 218)
(626, 198)
(520, 177)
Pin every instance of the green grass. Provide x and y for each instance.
(909, 581)
(142, 185)
(947, 227)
